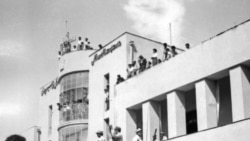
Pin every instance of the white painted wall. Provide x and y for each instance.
(215, 55)
(113, 63)
(51, 98)
(75, 61)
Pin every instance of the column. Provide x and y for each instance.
(240, 90)
(176, 114)
(206, 104)
(151, 120)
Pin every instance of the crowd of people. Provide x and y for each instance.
(67, 46)
(116, 135)
(143, 64)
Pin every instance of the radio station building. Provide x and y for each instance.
(202, 93)
(199, 94)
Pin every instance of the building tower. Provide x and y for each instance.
(74, 83)
(64, 111)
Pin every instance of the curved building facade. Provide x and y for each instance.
(73, 97)
(63, 112)
(74, 101)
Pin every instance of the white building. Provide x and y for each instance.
(200, 94)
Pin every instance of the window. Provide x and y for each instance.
(74, 97)
(73, 133)
(50, 119)
(107, 91)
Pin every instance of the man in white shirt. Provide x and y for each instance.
(138, 136)
(116, 135)
(163, 137)
(100, 136)
(154, 57)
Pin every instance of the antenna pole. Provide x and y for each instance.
(170, 34)
(66, 23)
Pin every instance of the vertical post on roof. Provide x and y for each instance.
(66, 24)
(170, 34)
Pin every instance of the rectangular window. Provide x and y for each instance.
(106, 91)
(50, 112)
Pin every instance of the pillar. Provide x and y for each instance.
(240, 91)
(176, 114)
(206, 104)
(151, 120)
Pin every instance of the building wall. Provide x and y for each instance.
(74, 61)
(32, 134)
(51, 98)
(69, 63)
(211, 59)
(234, 132)
(113, 63)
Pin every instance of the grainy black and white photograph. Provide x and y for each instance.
(124, 70)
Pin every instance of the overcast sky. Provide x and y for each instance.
(31, 31)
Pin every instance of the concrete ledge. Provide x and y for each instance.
(75, 122)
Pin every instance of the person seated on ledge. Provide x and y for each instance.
(15, 138)
(149, 65)
(116, 134)
(138, 136)
(142, 63)
(173, 51)
(166, 51)
(134, 68)
(73, 48)
(119, 79)
(154, 57)
(81, 46)
(130, 70)
(100, 136)
(187, 45)
(79, 42)
(100, 46)
(159, 61)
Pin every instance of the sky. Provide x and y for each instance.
(32, 30)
